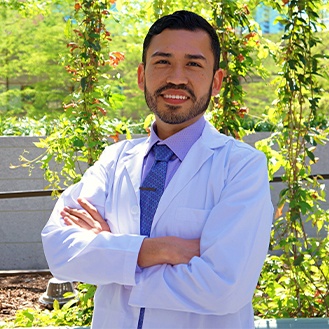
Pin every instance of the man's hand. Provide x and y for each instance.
(87, 218)
(167, 250)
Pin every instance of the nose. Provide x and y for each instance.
(177, 76)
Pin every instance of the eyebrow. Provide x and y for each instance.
(188, 56)
(161, 54)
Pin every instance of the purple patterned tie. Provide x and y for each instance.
(150, 194)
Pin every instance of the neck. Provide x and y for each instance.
(165, 130)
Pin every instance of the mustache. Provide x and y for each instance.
(159, 91)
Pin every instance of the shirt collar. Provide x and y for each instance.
(181, 142)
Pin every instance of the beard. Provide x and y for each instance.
(170, 114)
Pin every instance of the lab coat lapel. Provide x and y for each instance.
(133, 162)
(199, 153)
(193, 161)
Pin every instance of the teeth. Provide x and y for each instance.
(175, 96)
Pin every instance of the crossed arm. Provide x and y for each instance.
(154, 251)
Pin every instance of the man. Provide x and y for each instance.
(195, 263)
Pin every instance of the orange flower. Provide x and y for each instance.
(78, 32)
(102, 110)
(72, 45)
(250, 35)
(240, 58)
(242, 111)
(278, 212)
(107, 35)
(77, 6)
(246, 9)
(67, 106)
(115, 137)
(115, 57)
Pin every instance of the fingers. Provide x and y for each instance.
(74, 217)
(90, 209)
(87, 218)
(94, 215)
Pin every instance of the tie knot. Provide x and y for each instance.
(162, 152)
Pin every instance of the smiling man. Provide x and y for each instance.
(178, 77)
(173, 228)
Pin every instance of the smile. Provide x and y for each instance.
(175, 97)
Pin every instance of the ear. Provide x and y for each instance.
(140, 76)
(217, 82)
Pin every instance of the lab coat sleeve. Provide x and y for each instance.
(234, 243)
(78, 255)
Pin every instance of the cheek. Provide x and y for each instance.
(154, 81)
(202, 85)
(200, 80)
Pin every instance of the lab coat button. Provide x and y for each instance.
(134, 210)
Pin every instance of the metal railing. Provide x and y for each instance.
(38, 193)
(26, 194)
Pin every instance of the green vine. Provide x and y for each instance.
(297, 281)
(83, 130)
(239, 38)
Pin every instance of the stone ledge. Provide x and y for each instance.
(298, 323)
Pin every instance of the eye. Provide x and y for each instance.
(195, 64)
(162, 61)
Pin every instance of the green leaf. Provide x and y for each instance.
(310, 154)
(148, 120)
(68, 29)
(83, 83)
(298, 260)
(56, 305)
(29, 315)
(77, 142)
(41, 144)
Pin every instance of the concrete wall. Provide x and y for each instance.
(22, 219)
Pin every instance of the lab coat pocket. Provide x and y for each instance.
(189, 222)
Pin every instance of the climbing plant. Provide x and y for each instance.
(295, 283)
(240, 41)
(84, 129)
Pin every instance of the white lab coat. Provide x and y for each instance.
(220, 193)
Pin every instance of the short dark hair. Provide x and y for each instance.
(183, 20)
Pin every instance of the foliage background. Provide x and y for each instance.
(34, 50)
(273, 82)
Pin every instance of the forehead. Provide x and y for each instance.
(181, 42)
